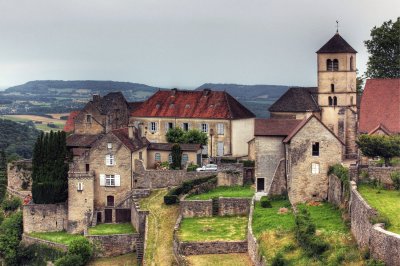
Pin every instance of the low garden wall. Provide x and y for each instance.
(138, 218)
(383, 245)
(113, 245)
(336, 190)
(252, 244)
(45, 217)
(233, 206)
(230, 178)
(195, 208)
(217, 247)
(28, 240)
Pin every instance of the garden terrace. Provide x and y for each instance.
(275, 230)
(112, 229)
(227, 228)
(61, 237)
(224, 191)
(237, 259)
(386, 202)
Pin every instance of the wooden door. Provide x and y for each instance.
(108, 215)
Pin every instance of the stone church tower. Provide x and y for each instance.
(337, 96)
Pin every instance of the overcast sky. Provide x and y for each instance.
(179, 43)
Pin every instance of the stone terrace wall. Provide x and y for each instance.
(230, 178)
(163, 178)
(381, 173)
(138, 218)
(252, 245)
(335, 190)
(233, 206)
(217, 247)
(19, 173)
(383, 245)
(113, 245)
(195, 208)
(28, 240)
(45, 217)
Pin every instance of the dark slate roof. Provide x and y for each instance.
(168, 147)
(134, 105)
(107, 101)
(274, 127)
(297, 99)
(192, 104)
(77, 140)
(336, 45)
(132, 144)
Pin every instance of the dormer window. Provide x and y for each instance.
(187, 106)
(89, 119)
(109, 145)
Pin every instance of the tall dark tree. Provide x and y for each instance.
(50, 168)
(384, 50)
(3, 175)
(176, 156)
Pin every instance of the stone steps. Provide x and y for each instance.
(215, 207)
(139, 251)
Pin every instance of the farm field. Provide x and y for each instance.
(40, 122)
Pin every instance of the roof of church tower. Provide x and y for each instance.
(336, 45)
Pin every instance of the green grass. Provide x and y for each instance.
(58, 237)
(123, 260)
(226, 228)
(224, 191)
(386, 202)
(236, 259)
(327, 217)
(112, 229)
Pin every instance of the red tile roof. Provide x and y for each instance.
(192, 104)
(274, 127)
(380, 105)
(70, 125)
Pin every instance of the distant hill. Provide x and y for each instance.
(257, 98)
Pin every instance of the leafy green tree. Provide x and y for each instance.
(175, 135)
(3, 175)
(384, 50)
(383, 146)
(10, 236)
(195, 136)
(176, 156)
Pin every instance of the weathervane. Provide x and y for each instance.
(337, 26)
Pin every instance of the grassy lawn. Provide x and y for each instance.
(224, 191)
(213, 228)
(161, 223)
(123, 260)
(276, 235)
(112, 229)
(59, 237)
(387, 202)
(237, 259)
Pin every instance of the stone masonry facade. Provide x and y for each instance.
(45, 217)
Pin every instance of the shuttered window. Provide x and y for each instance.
(110, 159)
(110, 180)
(220, 129)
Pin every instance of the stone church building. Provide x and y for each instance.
(309, 129)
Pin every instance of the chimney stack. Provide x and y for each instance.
(206, 92)
(131, 131)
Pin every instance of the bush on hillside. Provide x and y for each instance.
(11, 204)
(395, 176)
(70, 260)
(81, 247)
(37, 254)
(265, 202)
(10, 236)
(192, 167)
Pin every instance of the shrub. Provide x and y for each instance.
(380, 219)
(11, 204)
(70, 260)
(171, 199)
(265, 202)
(278, 260)
(247, 163)
(176, 156)
(37, 254)
(10, 236)
(192, 167)
(81, 247)
(395, 176)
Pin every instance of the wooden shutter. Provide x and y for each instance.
(102, 180)
(117, 180)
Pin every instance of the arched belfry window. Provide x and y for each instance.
(329, 65)
(335, 65)
(351, 100)
(351, 62)
(334, 101)
(332, 87)
(330, 101)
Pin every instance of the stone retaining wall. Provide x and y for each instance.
(45, 217)
(381, 173)
(383, 245)
(252, 245)
(195, 208)
(336, 193)
(19, 175)
(138, 218)
(113, 245)
(216, 247)
(29, 240)
(233, 206)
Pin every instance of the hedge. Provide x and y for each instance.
(173, 195)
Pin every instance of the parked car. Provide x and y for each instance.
(208, 167)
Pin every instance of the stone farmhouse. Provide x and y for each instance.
(309, 129)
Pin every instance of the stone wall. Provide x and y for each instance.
(230, 178)
(195, 208)
(381, 173)
(28, 240)
(19, 175)
(278, 184)
(336, 193)
(383, 245)
(113, 245)
(163, 178)
(252, 244)
(217, 247)
(233, 206)
(138, 218)
(44, 217)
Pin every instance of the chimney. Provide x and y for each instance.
(131, 131)
(206, 92)
(96, 98)
(173, 91)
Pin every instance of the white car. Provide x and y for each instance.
(208, 167)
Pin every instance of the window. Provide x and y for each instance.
(330, 101)
(329, 65)
(157, 157)
(335, 65)
(332, 87)
(204, 128)
(170, 158)
(315, 149)
(185, 126)
(80, 186)
(89, 119)
(315, 168)
(220, 129)
(87, 168)
(169, 126)
(110, 159)
(351, 100)
(334, 101)
(140, 155)
(110, 180)
(110, 200)
(153, 127)
(185, 158)
(351, 62)
(109, 145)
